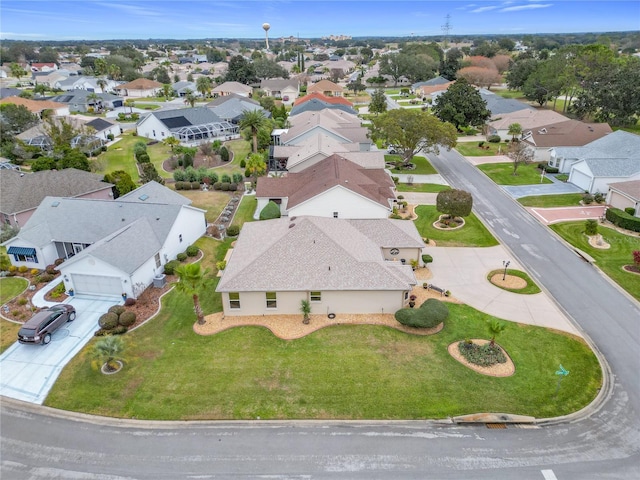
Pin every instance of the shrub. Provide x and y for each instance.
(493, 139)
(599, 197)
(552, 170)
(233, 187)
(430, 314)
(192, 251)
(119, 330)
(130, 302)
(225, 186)
(481, 144)
(170, 267)
(195, 185)
(108, 321)
(126, 319)
(22, 301)
(12, 269)
(217, 185)
(587, 199)
(58, 290)
(233, 230)
(58, 261)
(213, 177)
(591, 227)
(224, 154)
(51, 270)
(456, 203)
(117, 309)
(34, 271)
(237, 178)
(636, 258)
(623, 219)
(179, 185)
(143, 158)
(179, 175)
(46, 278)
(247, 173)
(100, 333)
(225, 178)
(630, 211)
(221, 265)
(270, 211)
(483, 355)
(181, 257)
(427, 259)
(22, 269)
(243, 163)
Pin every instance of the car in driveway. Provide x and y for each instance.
(40, 327)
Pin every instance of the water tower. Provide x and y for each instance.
(266, 28)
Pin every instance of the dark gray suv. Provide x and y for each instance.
(40, 327)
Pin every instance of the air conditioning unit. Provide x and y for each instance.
(159, 281)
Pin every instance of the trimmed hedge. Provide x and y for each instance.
(622, 219)
(127, 319)
(270, 211)
(192, 251)
(170, 267)
(233, 230)
(117, 309)
(431, 313)
(108, 321)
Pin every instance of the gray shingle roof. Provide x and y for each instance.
(314, 253)
(314, 105)
(613, 167)
(195, 116)
(498, 105)
(432, 82)
(153, 192)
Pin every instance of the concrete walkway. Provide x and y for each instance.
(555, 188)
(435, 178)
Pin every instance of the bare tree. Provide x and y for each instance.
(519, 153)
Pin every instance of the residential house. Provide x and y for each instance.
(529, 119)
(319, 101)
(183, 87)
(332, 187)
(624, 195)
(430, 88)
(285, 90)
(140, 87)
(326, 87)
(23, 192)
(38, 106)
(232, 107)
(498, 105)
(92, 131)
(9, 92)
(227, 88)
(340, 266)
(109, 247)
(83, 101)
(191, 126)
(90, 84)
(571, 133)
(44, 67)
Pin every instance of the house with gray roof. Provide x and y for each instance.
(22, 193)
(624, 195)
(232, 107)
(181, 88)
(108, 247)
(498, 105)
(82, 101)
(340, 266)
(191, 126)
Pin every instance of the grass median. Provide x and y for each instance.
(502, 174)
(473, 234)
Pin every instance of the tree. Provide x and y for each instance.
(256, 166)
(189, 97)
(167, 91)
(102, 83)
(515, 130)
(519, 72)
(455, 203)
(253, 120)
(240, 70)
(265, 68)
(122, 182)
(149, 173)
(107, 351)
(192, 280)
(462, 105)
(271, 210)
(40, 89)
(395, 65)
(305, 309)
(519, 153)
(15, 119)
(378, 103)
(95, 101)
(495, 327)
(204, 86)
(451, 64)
(171, 142)
(412, 131)
(480, 76)
(356, 86)
(17, 71)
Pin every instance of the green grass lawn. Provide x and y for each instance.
(212, 201)
(548, 201)
(611, 260)
(471, 149)
(10, 287)
(502, 174)
(517, 94)
(473, 234)
(423, 167)
(119, 156)
(422, 187)
(146, 106)
(245, 211)
(340, 372)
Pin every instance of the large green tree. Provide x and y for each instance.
(265, 68)
(122, 182)
(461, 105)
(240, 70)
(412, 131)
(455, 203)
(378, 103)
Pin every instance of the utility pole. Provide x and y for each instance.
(446, 28)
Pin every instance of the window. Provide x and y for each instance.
(335, 214)
(272, 301)
(180, 238)
(26, 258)
(234, 300)
(157, 258)
(315, 296)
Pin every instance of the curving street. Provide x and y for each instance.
(603, 442)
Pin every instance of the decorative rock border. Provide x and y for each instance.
(105, 371)
(447, 229)
(499, 370)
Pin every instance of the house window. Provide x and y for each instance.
(157, 257)
(26, 258)
(335, 214)
(272, 301)
(154, 133)
(406, 295)
(234, 300)
(315, 296)
(180, 238)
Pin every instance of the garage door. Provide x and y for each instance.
(580, 179)
(96, 284)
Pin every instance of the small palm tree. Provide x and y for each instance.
(172, 142)
(167, 91)
(305, 308)
(189, 97)
(106, 351)
(515, 129)
(496, 327)
(192, 280)
(253, 120)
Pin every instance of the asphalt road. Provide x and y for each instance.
(38, 443)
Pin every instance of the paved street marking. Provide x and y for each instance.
(548, 475)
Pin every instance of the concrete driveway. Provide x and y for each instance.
(27, 372)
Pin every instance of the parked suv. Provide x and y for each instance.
(40, 327)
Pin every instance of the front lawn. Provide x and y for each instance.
(245, 210)
(471, 149)
(423, 167)
(119, 156)
(611, 260)
(340, 372)
(502, 174)
(422, 187)
(549, 201)
(473, 234)
(10, 287)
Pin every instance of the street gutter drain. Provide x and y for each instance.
(497, 426)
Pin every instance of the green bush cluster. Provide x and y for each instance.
(591, 227)
(170, 267)
(427, 259)
(493, 139)
(630, 211)
(108, 321)
(270, 211)
(456, 203)
(547, 168)
(181, 257)
(224, 154)
(482, 355)
(116, 321)
(233, 230)
(190, 174)
(622, 219)
(430, 314)
(192, 251)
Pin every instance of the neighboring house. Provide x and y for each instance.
(498, 105)
(38, 106)
(92, 132)
(340, 266)
(43, 67)
(332, 187)
(571, 133)
(295, 158)
(90, 84)
(192, 126)
(181, 88)
(625, 195)
(529, 119)
(109, 247)
(23, 192)
(140, 87)
(314, 102)
(232, 107)
(103, 128)
(326, 87)
(430, 87)
(50, 79)
(82, 101)
(286, 90)
(9, 92)
(228, 88)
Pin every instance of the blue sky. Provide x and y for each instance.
(182, 19)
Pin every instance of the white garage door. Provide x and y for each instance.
(96, 284)
(580, 179)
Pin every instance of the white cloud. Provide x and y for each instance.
(483, 9)
(20, 35)
(531, 6)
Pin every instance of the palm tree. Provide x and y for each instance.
(106, 351)
(204, 85)
(171, 142)
(114, 71)
(496, 327)
(305, 308)
(167, 91)
(254, 120)
(129, 102)
(515, 129)
(95, 100)
(102, 83)
(189, 97)
(191, 281)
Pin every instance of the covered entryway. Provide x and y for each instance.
(96, 284)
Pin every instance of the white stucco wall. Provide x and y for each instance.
(151, 127)
(90, 265)
(338, 199)
(191, 224)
